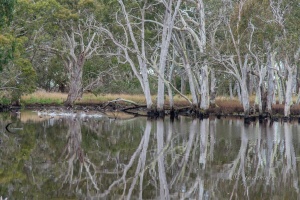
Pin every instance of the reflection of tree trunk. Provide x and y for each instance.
(240, 159)
(73, 152)
(291, 165)
(164, 190)
(212, 134)
(141, 163)
(73, 149)
(204, 130)
(189, 145)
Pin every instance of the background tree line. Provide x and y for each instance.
(203, 48)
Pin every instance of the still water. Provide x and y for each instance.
(120, 157)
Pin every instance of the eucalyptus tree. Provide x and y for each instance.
(182, 41)
(257, 18)
(168, 22)
(192, 17)
(234, 57)
(286, 15)
(131, 44)
(70, 34)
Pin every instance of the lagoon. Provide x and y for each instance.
(118, 156)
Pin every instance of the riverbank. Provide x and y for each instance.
(135, 104)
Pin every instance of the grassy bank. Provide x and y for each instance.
(224, 105)
(88, 98)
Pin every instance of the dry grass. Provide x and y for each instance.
(58, 98)
(224, 103)
(44, 98)
(229, 106)
(91, 98)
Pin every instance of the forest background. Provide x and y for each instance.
(195, 49)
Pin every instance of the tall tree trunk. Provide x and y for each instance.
(146, 87)
(191, 84)
(245, 98)
(289, 87)
(271, 83)
(168, 22)
(75, 83)
(204, 104)
(279, 88)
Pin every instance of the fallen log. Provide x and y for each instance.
(121, 99)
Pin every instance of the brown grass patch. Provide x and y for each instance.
(278, 109)
(229, 106)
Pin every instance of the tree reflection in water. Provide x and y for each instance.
(154, 159)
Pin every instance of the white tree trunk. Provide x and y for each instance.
(146, 87)
(245, 98)
(169, 18)
(204, 104)
(289, 87)
(271, 83)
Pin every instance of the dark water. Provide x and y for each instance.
(135, 158)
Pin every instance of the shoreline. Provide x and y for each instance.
(219, 111)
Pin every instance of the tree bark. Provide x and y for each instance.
(204, 104)
(271, 83)
(289, 87)
(245, 98)
(75, 83)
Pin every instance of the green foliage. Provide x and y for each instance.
(43, 101)
(6, 11)
(6, 40)
(26, 81)
(7, 47)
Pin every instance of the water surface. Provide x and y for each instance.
(105, 157)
